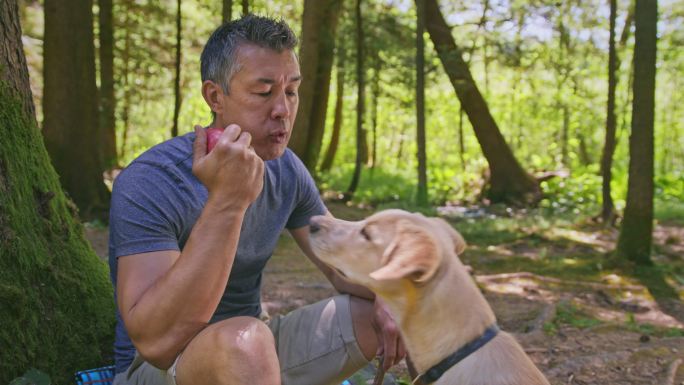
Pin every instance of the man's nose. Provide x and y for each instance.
(281, 109)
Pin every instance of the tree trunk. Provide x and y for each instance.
(317, 54)
(245, 7)
(361, 84)
(422, 192)
(55, 296)
(509, 183)
(635, 238)
(107, 98)
(337, 123)
(71, 125)
(375, 93)
(608, 207)
(125, 114)
(227, 10)
(177, 83)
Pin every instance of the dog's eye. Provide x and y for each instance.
(365, 234)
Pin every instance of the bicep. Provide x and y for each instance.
(136, 273)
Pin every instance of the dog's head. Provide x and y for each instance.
(390, 245)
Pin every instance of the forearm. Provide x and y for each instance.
(182, 299)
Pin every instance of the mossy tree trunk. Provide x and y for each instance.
(508, 182)
(56, 301)
(71, 126)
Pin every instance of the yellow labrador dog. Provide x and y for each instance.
(411, 262)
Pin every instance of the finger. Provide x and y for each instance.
(245, 139)
(390, 352)
(401, 352)
(199, 148)
(232, 132)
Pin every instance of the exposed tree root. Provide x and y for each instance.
(672, 372)
(526, 274)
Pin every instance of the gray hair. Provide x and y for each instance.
(219, 57)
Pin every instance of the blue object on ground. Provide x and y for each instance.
(98, 376)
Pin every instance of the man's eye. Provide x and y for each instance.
(291, 93)
(264, 94)
(365, 234)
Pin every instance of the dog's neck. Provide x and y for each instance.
(450, 301)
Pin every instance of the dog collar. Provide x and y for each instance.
(435, 372)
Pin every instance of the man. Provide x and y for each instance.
(191, 231)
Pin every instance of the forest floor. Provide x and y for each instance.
(581, 317)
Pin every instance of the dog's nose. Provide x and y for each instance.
(314, 227)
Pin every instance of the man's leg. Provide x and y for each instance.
(236, 351)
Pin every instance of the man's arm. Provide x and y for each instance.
(165, 298)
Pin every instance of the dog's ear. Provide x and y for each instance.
(412, 254)
(456, 237)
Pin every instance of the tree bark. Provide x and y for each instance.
(339, 104)
(634, 242)
(361, 100)
(317, 55)
(55, 294)
(509, 183)
(177, 82)
(245, 7)
(227, 10)
(608, 207)
(107, 98)
(71, 127)
(422, 190)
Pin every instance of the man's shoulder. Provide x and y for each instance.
(173, 156)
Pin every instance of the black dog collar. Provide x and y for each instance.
(435, 372)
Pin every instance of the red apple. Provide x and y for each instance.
(213, 135)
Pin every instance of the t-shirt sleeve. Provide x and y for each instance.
(146, 210)
(308, 200)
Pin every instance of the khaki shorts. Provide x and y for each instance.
(316, 345)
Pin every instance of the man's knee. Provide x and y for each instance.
(243, 337)
(236, 349)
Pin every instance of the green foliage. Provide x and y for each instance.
(32, 377)
(56, 304)
(568, 313)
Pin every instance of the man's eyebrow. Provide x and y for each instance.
(293, 79)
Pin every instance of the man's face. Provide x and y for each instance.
(263, 98)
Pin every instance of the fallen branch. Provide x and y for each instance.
(672, 372)
(526, 274)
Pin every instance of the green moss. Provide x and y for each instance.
(56, 303)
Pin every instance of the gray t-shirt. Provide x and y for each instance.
(156, 201)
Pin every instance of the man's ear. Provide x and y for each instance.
(213, 95)
(412, 254)
(456, 237)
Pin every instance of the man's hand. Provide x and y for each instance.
(232, 172)
(390, 346)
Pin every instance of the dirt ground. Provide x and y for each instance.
(615, 350)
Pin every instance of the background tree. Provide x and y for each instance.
(608, 207)
(508, 182)
(71, 126)
(338, 117)
(107, 96)
(245, 7)
(422, 194)
(636, 232)
(177, 82)
(227, 10)
(55, 297)
(361, 85)
(319, 24)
